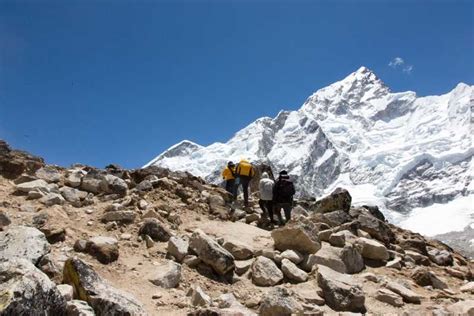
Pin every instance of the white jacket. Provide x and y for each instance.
(266, 187)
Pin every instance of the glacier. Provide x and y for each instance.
(404, 153)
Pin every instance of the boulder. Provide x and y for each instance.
(292, 272)
(74, 178)
(92, 182)
(441, 257)
(279, 301)
(375, 211)
(338, 239)
(334, 218)
(53, 233)
(144, 186)
(407, 294)
(90, 287)
(239, 250)
(417, 257)
(66, 291)
(114, 185)
(24, 243)
(242, 266)
(389, 297)
(299, 236)
(265, 272)
(467, 288)
(414, 244)
(4, 220)
(49, 174)
(105, 249)
(424, 277)
(178, 248)
(51, 199)
(167, 275)
(339, 199)
(340, 291)
(372, 249)
(376, 228)
(119, 216)
(292, 255)
(199, 297)
(395, 263)
(211, 253)
(155, 229)
(25, 290)
(36, 185)
(73, 196)
(79, 308)
(328, 256)
(462, 308)
(352, 259)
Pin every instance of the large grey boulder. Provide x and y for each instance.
(372, 249)
(239, 250)
(297, 235)
(36, 185)
(51, 199)
(166, 275)
(339, 199)
(114, 185)
(292, 272)
(74, 177)
(423, 277)
(73, 196)
(25, 290)
(49, 174)
(178, 248)
(92, 182)
(211, 253)
(104, 299)
(352, 259)
(328, 256)
(341, 292)
(155, 229)
(265, 272)
(441, 257)
(279, 301)
(23, 242)
(376, 228)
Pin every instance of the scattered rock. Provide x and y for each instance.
(468, 287)
(66, 291)
(73, 196)
(265, 272)
(105, 249)
(211, 253)
(119, 216)
(155, 229)
(293, 256)
(376, 228)
(340, 291)
(25, 290)
(389, 297)
(462, 308)
(328, 256)
(52, 199)
(423, 277)
(49, 174)
(74, 178)
(23, 243)
(4, 220)
(191, 261)
(279, 301)
(114, 185)
(352, 259)
(250, 218)
(339, 238)
(79, 308)
(90, 287)
(242, 266)
(80, 245)
(292, 272)
(441, 258)
(199, 298)
(144, 186)
(395, 263)
(167, 275)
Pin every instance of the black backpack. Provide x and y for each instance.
(285, 189)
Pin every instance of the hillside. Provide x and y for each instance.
(86, 241)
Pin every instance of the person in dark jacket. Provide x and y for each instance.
(228, 174)
(283, 192)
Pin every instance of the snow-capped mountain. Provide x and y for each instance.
(396, 150)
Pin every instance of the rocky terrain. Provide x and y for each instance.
(84, 241)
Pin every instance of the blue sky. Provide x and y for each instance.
(101, 82)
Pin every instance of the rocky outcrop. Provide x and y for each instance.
(339, 199)
(25, 290)
(90, 287)
(211, 253)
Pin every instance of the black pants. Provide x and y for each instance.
(286, 208)
(230, 187)
(267, 208)
(244, 181)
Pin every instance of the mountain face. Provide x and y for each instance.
(396, 150)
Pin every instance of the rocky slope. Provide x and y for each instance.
(395, 150)
(83, 241)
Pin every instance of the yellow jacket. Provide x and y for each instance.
(245, 168)
(228, 173)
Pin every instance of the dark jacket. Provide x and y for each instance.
(283, 190)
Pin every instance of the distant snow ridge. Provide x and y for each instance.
(396, 150)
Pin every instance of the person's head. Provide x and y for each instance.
(230, 164)
(284, 174)
(264, 175)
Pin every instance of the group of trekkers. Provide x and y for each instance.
(274, 195)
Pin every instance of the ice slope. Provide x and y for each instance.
(397, 150)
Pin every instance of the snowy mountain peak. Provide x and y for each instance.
(397, 150)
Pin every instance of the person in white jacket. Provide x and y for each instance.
(266, 196)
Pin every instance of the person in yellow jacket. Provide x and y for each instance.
(244, 172)
(228, 174)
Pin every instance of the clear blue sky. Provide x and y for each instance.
(98, 82)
